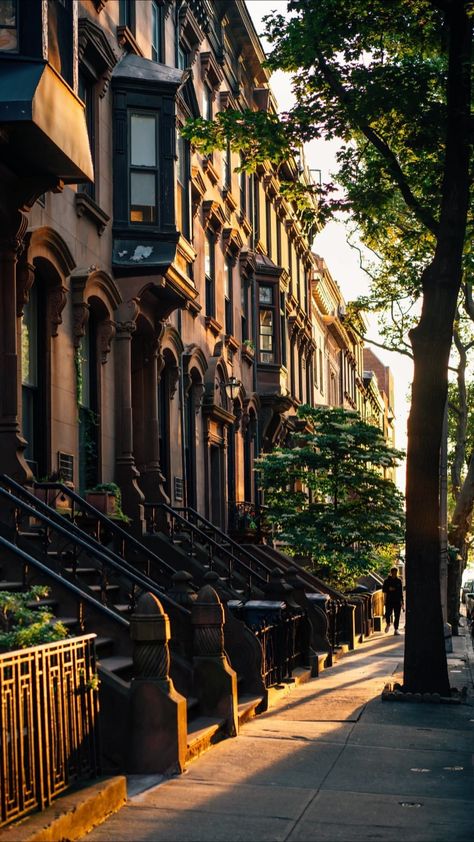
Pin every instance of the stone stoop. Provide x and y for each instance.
(72, 815)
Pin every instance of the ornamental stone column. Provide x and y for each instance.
(158, 717)
(126, 473)
(12, 444)
(214, 680)
(152, 480)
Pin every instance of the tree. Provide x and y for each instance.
(393, 81)
(328, 496)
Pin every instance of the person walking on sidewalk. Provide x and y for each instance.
(392, 589)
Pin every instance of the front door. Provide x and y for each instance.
(217, 486)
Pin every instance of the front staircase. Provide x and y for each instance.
(279, 619)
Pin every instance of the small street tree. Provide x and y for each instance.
(328, 496)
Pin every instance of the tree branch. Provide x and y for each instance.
(381, 345)
(423, 214)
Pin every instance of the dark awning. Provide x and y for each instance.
(43, 124)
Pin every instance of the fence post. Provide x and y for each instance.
(215, 682)
(158, 721)
(349, 624)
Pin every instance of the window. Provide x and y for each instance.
(87, 94)
(156, 32)
(244, 304)
(266, 325)
(60, 38)
(183, 58)
(283, 328)
(209, 272)
(268, 218)
(228, 297)
(256, 209)
(278, 241)
(290, 264)
(243, 188)
(127, 14)
(321, 372)
(226, 167)
(206, 102)
(182, 184)
(143, 168)
(9, 26)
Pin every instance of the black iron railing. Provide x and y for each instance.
(284, 646)
(49, 723)
(177, 523)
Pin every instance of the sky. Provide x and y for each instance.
(332, 245)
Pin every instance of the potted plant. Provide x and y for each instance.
(248, 349)
(106, 497)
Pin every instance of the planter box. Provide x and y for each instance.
(103, 501)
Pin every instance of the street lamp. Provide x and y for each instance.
(232, 388)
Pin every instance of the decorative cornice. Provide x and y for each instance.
(233, 242)
(213, 216)
(211, 73)
(213, 325)
(127, 40)
(210, 170)
(95, 52)
(85, 206)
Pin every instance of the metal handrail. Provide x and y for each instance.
(219, 549)
(235, 546)
(83, 595)
(87, 507)
(83, 541)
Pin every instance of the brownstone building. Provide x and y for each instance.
(163, 316)
(156, 326)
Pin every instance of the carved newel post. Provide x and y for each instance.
(158, 723)
(214, 680)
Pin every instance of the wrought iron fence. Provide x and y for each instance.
(284, 646)
(49, 736)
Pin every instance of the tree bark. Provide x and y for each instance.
(425, 667)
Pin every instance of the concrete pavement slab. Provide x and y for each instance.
(151, 825)
(388, 817)
(412, 715)
(414, 737)
(245, 800)
(388, 770)
(267, 762)
(271, 725)
(330, 832)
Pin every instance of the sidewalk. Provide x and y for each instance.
(330, 762)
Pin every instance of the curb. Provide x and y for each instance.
(72, 815)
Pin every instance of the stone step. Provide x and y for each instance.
(249, 707)
(203, 732)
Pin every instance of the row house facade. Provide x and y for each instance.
(155, 303)
(346, 373)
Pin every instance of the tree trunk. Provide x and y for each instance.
(425, 667)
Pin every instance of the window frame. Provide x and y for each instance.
(156, 39)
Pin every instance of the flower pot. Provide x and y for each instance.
(103, 501)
